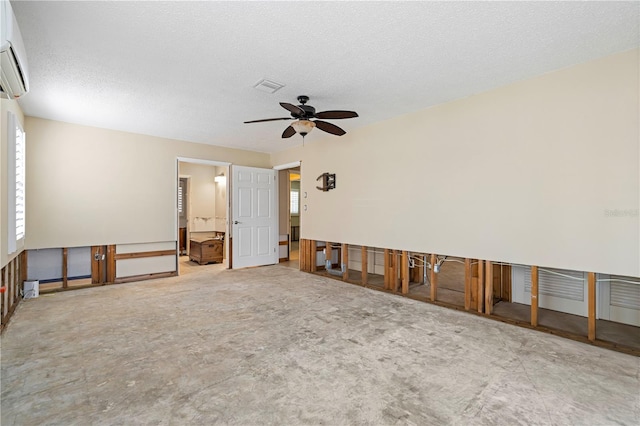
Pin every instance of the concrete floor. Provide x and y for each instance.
(451, 291)
(273, 345)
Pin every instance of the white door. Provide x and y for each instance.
(619, 299)
(254, 223)
(558, 290)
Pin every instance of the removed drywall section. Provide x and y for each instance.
(79, 262)
(48, 264)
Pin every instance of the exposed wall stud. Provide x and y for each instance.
(488, 292)
(308, 256)
(97, 264)
(12, 275)
(405, 272)
(301, 254)
(313, 255)
(534, 296)
(467, 283)
(434, 278)
(345, 262)
(592, 306)
(474, 284)
(480, 285)
(24, 266)
(387, 269)
(12, 288)
(65, 273)
(4, 295)
(364, 258)
(111, 262)
(394, 270)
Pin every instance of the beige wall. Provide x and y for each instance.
(283, 202)
(89, 186)
(6, 105)
(221, 200)
(544, 172)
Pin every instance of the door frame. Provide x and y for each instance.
(288, 167)
(176, 235)
(253, 217)
(187, 209)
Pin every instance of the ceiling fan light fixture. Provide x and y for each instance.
(303, 127)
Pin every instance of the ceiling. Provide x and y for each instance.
(186, 70)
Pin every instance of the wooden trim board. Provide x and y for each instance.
(137, 255)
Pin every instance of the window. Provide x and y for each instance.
(295, 202)
(182, 192)
(16, 163)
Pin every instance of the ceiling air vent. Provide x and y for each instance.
(268, 86)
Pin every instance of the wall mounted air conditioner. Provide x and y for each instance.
(14, 75)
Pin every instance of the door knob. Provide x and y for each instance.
(235, 222)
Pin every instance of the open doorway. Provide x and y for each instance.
(290, 201)
(294, 213)
(202, 211)
(183, 214)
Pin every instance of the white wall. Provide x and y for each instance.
(6, 105)
(542, 172)
(221, 200)
(202, 196)
(283, 202)
(91, 186)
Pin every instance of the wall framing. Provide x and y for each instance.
(484, 284)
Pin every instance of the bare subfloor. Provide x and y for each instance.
(273, 345)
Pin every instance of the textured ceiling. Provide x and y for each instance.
(186, 70)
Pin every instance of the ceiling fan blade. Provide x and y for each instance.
(292, 108)
(329, 128)
(268, 119)
(288, 132)
(335, 115)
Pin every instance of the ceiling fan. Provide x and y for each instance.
(304, 113)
